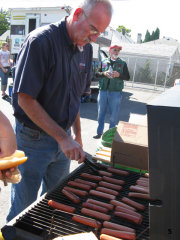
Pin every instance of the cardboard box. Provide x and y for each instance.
(130, 146)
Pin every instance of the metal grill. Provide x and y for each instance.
(46, 223)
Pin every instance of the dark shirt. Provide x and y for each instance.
(50, 69)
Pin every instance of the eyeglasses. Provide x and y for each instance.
(92, 29)
(116, 50)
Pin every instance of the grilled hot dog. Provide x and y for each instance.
(118, 171)
(79, 185)
(107, 190)
(101, 194)
(95, 207)
(85, 182)
(110, 185)
(87, 221)
(102, 204)
(113, 180)
(71, 196)
(61, 206)
(128, 217)
(95, 214)
(116, 226)
(134, 204)
(78, 192)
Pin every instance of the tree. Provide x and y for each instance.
(156, 34)
(151, 37)
(4, 21)
(120, 29)
(147, 36)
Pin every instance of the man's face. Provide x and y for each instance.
(114, 52)
(89, 27)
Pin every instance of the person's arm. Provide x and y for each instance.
(7, 137)
(39, 116)
(124, 75)
(77, 130)
(8, 143)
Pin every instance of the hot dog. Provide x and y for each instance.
(95, 207)
(87, 221)
(142, 183)
(78, 192)
(145, 179)
(138, 189)
(126, 210)
(107, 190)
(110, 185)
(119, 234)
(91, 177)
(139, 195)
(147, 188)
(101, 194)
(61, 206)
(108, 237)
(79, 185)
(134, 204)
(95, 214)
(14, 160)
(128, 217)
(118, 171)
(103, 204)
(113, 180)
(117, 203)
(116, 226)
(104, 173)
(85, 182)
(71, 196)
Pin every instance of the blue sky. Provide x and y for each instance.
(137, 15)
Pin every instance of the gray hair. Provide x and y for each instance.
(87, 6)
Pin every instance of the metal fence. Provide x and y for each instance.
(152, 73)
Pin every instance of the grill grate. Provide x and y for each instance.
(38, 220)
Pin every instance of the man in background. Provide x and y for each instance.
(112, 74)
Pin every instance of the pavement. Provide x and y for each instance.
(133, 109)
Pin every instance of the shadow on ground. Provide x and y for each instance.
(128, 106)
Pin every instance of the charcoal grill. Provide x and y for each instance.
(39, 221)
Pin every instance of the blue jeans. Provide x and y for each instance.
(113, 101)
(4, 79)
(46, 165)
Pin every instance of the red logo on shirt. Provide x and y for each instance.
(82, 65)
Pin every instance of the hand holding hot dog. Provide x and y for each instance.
(8, 166)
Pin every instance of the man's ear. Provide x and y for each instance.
(77, 14)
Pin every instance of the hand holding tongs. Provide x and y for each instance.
(94, 166)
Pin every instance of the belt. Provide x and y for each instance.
(27, 125)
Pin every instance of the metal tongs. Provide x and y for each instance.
(94, 166)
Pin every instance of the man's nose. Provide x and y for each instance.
(93, 38)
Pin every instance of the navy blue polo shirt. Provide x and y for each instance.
(50, 69)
